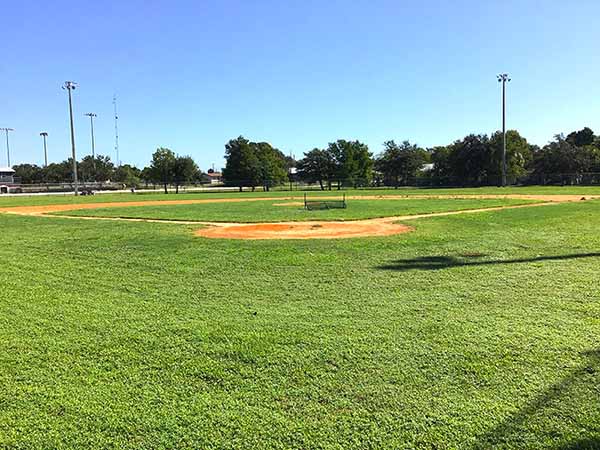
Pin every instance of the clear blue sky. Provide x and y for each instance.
(190, 75)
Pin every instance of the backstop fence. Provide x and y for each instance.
(316, 203)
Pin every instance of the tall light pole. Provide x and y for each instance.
(503, 78)
(91, 116)
(44, 136)
(7, 130)
(116, 131)
(69, 86)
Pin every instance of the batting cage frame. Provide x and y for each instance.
(316, 204)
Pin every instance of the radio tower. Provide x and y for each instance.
(116, 131)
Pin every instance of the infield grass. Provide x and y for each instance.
(270, 211)
(6, 201)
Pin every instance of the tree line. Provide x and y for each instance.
(252, 164)
(89, 169)
(474, 160)
(166, 168)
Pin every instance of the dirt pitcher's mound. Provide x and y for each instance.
(304, 230)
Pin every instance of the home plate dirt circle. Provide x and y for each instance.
(303, 230)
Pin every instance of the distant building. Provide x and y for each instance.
(427, 167)
(7, 180)
(215, 177)
(7, 175)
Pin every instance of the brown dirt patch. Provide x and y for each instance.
(45, 209)
(303, 230)
(290, 204)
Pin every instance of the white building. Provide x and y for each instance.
(215, 177)
(7, 179)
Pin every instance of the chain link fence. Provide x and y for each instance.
(552, 179)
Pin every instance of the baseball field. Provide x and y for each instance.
(426, 319)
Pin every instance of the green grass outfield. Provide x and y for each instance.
(270, 211)
(473, 331)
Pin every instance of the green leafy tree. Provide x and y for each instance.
(400, 163)
(147, 176)
(471, 160)
(353, 162)
(242, 166)
(562, 157)
(29, 173)
(440, 157)
(317, 166)
(128, 175)
(477, 159)
(184, 169)
(59, 172)
(253, 163)
(518, 155)
(161, 167)
(581, 138)
(98, 169)
(272, 168)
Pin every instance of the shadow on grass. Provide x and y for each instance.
(447, 262)
(564, 399)
(584, 444)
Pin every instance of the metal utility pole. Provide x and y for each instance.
(116, 131)
(7, 130)
(91, 116)
(69, 86)
(503, 78)
(45, 135)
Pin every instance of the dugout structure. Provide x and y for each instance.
(317, 204)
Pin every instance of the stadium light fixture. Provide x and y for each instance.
(7, 130)
(91, 116)
(70, 86)
(503, 78)
(44, 136)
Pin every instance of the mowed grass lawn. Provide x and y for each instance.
(7, 201)
(473, 331)
(273, 211)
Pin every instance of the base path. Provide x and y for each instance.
(384, 226)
